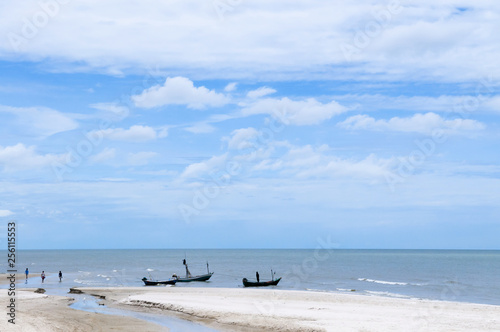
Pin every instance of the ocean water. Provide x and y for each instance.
(463, 276)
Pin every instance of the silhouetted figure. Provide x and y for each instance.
(257, 275)
(60, 276)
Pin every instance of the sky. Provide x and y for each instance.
(250, 124)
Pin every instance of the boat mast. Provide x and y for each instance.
(188, 274)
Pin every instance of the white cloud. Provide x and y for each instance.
(179, 91)
(231, 87)
(308, 162)
(5, 213)
(242, 138)
(134, 159)
(40, 121)
(103, 156)
(114, 108)
(492, 103)
(203, 168)
(462, 105)
(283, 160)
(419, 123)
(372, 168)
(136, 133)
(19, 157)
(201, 128)
(260, 92)
(426, 40)
(300, 113)
(162, 131)
(115, 179)
(140, 158)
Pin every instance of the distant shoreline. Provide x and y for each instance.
(337, 249)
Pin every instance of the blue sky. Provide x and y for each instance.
(235, 124)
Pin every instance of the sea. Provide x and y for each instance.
(448, 275)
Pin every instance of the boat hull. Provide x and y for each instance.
(156, 283)
(150, 283)
(167, 282)
(247, 283)
(203, 277)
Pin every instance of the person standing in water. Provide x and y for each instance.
(257, 275)
(27, 272)
(43, 276)
(60, 276)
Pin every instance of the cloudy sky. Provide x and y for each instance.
(250, 124)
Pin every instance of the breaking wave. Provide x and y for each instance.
(384, 282)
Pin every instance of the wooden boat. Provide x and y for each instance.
(189, 277)
(151, 282)
(203, 277)
(247, 283)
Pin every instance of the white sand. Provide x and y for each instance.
(251, 310)
(280, 310)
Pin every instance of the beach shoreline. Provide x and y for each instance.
(20, 278)
(238, 309)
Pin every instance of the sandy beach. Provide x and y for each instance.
(40, 313)
(251, 310)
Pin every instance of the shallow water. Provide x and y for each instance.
(89, 303)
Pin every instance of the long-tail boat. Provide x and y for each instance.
(272, 282)
(189, 277)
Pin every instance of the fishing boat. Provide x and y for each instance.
(149, 282)
(189, 277)
(152, 282)
(247, 283)
(272, 282)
